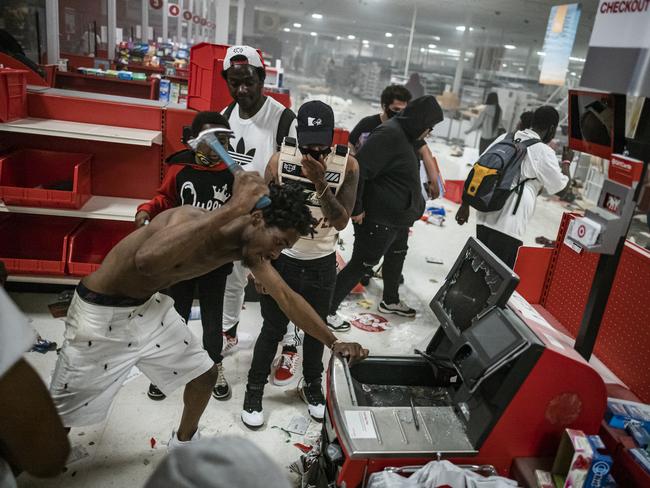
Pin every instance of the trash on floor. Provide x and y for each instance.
(544, 241)
(304, 448)
(433, 260)
(43, 345)
(59, 308)
(152, 442)
(288, 434)
(298, 425)
(370, 322)
(365, 303)
(77, 453)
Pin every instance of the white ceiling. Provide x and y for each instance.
(496, 22)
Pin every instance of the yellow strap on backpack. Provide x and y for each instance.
(480, 172)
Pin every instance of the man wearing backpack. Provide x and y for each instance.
(259, 124)
(536, 167)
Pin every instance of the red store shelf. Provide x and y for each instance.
(92, 241)
(31, 177)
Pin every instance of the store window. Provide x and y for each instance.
(24, 21)
(83, 28)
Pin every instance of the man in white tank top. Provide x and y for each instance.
(329, 177)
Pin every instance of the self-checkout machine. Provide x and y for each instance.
(493, 384)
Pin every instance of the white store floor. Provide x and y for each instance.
(119, 452)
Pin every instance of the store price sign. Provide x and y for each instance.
(174, 10)
(156, 4)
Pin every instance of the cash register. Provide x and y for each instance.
(494, 383)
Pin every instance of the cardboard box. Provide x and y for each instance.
(579, 462)
(620, 412)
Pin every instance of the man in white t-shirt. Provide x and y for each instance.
(259, 124)
(32, 437)
(503, 231)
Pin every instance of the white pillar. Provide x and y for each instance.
(458, 78)
(145, 20)
(408, 51)
(179, 22)
(52, 27)
(239, 35)
(222, 20)
(165, 20)
(204, 14)
(112, 26)
(190, 23)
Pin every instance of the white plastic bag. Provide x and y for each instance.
(438, 473)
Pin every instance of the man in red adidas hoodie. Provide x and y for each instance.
(200, 179)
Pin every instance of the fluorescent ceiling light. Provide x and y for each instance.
(422, 50)
(390, 46)
(579, 60)
(286, 29)
(389, 34)
(338, 38)
(365, 41)
(313, 34)
(521, 69)
(541, 53)
(504, 65)
(436, 38)
(352, 37)
(462, 28)
(453, 51)
(297, 25)
(317, 16)
(510, 46)
(573, 73)
(432, 46)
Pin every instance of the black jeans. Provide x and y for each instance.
(503, 245)
(312, 279)
(371, 242)
(211, 288)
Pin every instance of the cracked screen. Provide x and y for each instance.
(469, 289)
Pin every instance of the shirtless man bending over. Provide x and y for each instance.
(117, 318)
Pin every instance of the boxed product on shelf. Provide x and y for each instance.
(13, 94)
(38, 178)
(35, 244)
(92, 241)
(642, 458)
(580, 461)
(620, 412)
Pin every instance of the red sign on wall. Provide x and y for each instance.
(196, 19)
(174, 10)
(187, 15)
(156, 4)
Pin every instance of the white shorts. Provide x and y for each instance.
(103, 343)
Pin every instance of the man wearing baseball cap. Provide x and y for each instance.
(329, 176)
(259, 124)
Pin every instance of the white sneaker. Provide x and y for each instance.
(252, 414)
(174, 443)
(399, 308)
(312, 395)
(337, 323)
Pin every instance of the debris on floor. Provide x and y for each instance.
(370, 322)
(433, 260)
(288, 434)
(152, 442)
(298, 425)
(59, 308)
(365, 303)
(544, 241)
(43, 345)
(77, 453)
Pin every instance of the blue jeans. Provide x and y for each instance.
(312, 279)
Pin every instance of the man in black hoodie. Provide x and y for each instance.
(389, 200)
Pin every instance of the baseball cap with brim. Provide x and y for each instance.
(315, 124)
(249, 55)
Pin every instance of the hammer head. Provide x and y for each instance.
(207, 136)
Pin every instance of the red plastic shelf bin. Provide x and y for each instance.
(454, 190)
(13, 94)
(35, 244)
(92, 241)
(207, 90)
(26, 174)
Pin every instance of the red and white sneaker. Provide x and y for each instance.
(229, 343)
(285, 367)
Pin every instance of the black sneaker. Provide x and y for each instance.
(399, 308)
(252, 415)
(155, 394)
(221, 390)
(312, 395)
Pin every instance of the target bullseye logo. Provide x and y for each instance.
(174, 10)
(582, 230)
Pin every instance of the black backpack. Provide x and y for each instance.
(286, 119)
(496, 174)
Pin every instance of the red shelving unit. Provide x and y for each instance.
(92, 241)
